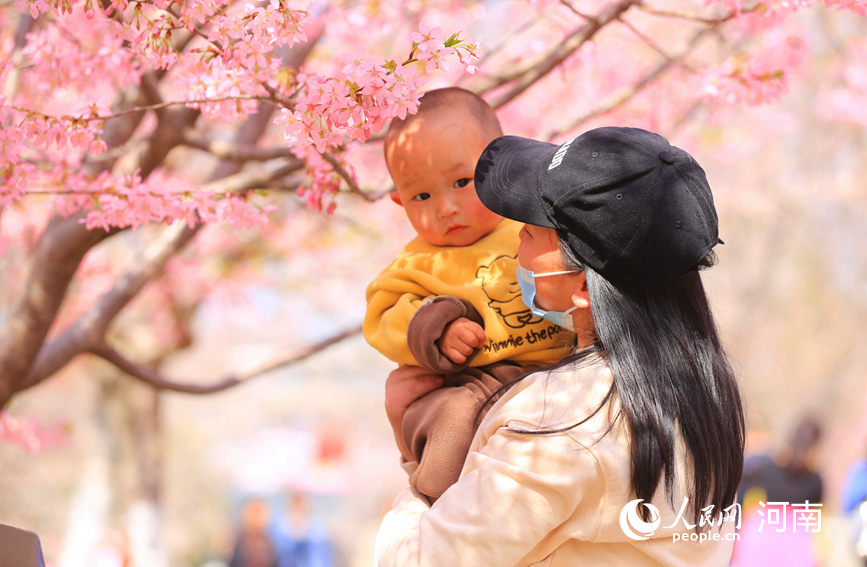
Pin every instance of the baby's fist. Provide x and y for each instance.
(460, 339)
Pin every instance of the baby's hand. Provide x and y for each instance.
(460, 339)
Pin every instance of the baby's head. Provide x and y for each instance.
(431, 156)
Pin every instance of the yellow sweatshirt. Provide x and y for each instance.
(482, 275)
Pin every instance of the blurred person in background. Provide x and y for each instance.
(113, 551)
(781, 494)
(787, 475)
(301, 539)
(253, 544)
(854, 506)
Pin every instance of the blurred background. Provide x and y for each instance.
(104, 467)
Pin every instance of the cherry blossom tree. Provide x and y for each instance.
(156, 155)
(175, 128)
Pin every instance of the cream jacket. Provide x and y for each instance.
(552, 499)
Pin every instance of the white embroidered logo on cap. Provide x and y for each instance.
(558, 157)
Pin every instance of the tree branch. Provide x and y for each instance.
(149, 375)
(232, 152)
(350, 182)
(694, 18)
(575, 10)
(253, 178)
(644, 38)
(89, 330)
(56, 258)
(156, 106)
(490, 52)
(624, 95)
(685, 117)
(117, 132)
(526, 76)
(25, 357)
(165, 137)
(25, 24)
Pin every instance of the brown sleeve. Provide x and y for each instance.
(437, 429)
(427, 326)
(20, 548)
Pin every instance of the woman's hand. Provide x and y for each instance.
(460, 340)
(403, 386)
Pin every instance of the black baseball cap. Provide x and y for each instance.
(630, 205)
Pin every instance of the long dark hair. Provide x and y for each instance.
(671, 372)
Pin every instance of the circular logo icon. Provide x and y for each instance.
(632, 524)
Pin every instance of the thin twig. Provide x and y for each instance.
(540, 68)
(506, 40)
(275, 95)
(684, 118)
(350, 182)
(156, 106)
(693, 17)
(645, 38)
(149, 375)
(15, 58)
(575, 11)
(197, 29)
(111, 155)
(89, 329)
(624, 95)
(556, 54)
(226, 150)
(252, 178)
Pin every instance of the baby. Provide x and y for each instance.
(450, 302)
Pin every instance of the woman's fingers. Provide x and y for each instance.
(405, 385)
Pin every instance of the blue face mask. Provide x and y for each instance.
(527, 281)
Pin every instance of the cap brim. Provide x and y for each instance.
(507, 178)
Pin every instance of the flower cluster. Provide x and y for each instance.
(36, 149)
(357, 102)
(30, 434)
(131, 201)
(219, 56)
(761, 77)
(775, 6)
(70, 72)
(737, 82)
(857, 6)
(843, 100)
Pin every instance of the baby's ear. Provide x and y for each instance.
(396, 198)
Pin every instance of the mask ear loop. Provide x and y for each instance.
(527, 282)
(546, 274)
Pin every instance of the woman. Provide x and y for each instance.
(629, 452)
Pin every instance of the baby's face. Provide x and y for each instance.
(432, 162)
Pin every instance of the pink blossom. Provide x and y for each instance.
(859, 6)
(843, 100)
(31, 435)
(763, 76)
(762, 6)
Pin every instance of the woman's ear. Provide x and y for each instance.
(581, 299)
(396, 198)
